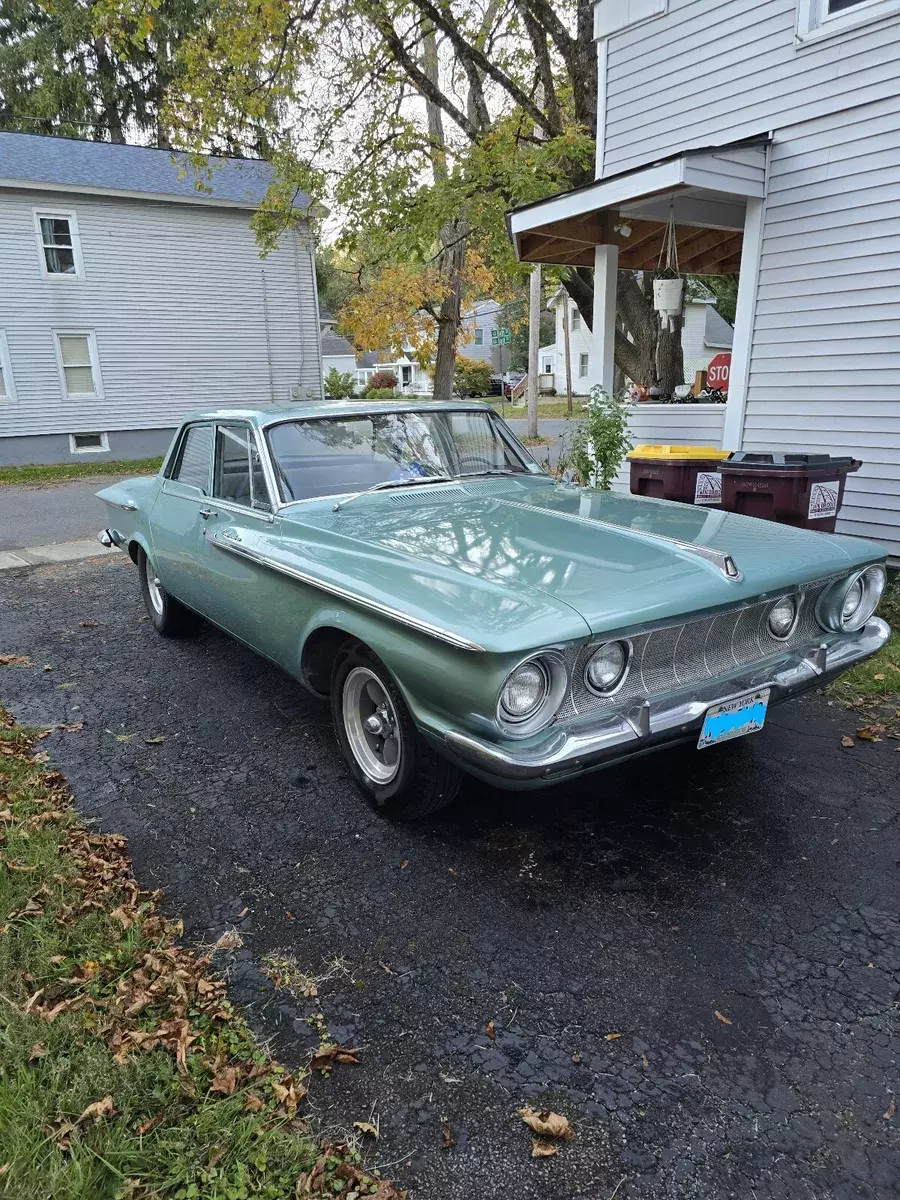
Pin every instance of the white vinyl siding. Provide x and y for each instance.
(825, 359)
(772, 80)
(186, 315)
(7, 383)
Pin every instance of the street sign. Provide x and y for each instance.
(719, 371)
(500, 336)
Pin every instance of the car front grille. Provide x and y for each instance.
(675, 656)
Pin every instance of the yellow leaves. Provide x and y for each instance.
(98, 1110)
(721, 1017)
(366, 1128)
(541, 1149)
(547, 1124)
(868, 733)
(613, 1037)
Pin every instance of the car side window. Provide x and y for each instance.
(238, 469)
(192, 466)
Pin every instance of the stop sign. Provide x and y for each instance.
(718, 372)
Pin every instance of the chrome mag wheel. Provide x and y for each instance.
(371, 725)
(154, 587)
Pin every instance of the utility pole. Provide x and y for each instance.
(534, 343)
(567, 351)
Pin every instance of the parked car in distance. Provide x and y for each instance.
(462, 611)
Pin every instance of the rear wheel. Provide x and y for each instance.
(392, 765)
(169, 617)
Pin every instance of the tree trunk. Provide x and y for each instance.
(534, 345)
(452, 260)
(568, 354)
(106, 76)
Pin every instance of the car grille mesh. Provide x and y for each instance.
(675, 656)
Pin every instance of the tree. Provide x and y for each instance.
(339, 385)
(471, 376)
(422, 120)
(62, 73)
(336, 278)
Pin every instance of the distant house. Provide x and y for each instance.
(704, 334)
(129, 298)
(784, 170)
(337, 354)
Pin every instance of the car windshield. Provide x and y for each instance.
(330, 456)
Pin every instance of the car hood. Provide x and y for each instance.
(610, 558)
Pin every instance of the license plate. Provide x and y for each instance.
(734, 718)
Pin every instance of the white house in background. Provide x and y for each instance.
(337, 354)
(128, 298)
(704, 334)
(787, 171)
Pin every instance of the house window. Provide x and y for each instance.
(576, 319)
(548, 366)
(79, 366)
(584, 362)
(193, 461)
(7, 386)
(88, 443)
(58, 244)
(479, 337)
(817, 19)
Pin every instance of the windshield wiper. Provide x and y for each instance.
(393, 483)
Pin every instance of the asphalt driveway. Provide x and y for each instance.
(40, 514)
(696, 957)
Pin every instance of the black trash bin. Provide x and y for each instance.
(805, 490)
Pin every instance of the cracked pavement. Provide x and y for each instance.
(756, 880)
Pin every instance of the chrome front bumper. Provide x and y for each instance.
(599, 741)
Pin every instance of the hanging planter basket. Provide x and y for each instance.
(668, 286)
(667, 295)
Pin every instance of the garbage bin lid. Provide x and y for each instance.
(767, 460)
(667, 452)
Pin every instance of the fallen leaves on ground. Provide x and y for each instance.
(98, 1110)
(71, 727)
(326, 1056)
(366, 1128)
(891, 1109)
(14, 660)
(869, 733)
(847, 742)
(547, 1123)
(612, 1037)
(448, 1141)
(541, 1149)
(721, 1017)
(490, 1031)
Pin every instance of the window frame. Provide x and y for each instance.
(173, 462)
(584, 360)
(93, 354)
(575, 320)
(103, 448)
(248, 429)
(479, 336)
(814, 22)
(9, 382)
(57, 214)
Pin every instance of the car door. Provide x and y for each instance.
(238, 593)
(179, 513)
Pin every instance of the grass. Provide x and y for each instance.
(879, 677)
(547, 410)
(54, 472)
(124, 1071)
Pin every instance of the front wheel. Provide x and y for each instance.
(168, 615)
(393, 767)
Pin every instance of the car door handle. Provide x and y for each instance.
(205, 513)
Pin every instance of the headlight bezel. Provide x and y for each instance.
(623, 675)
(793, 600)
(829, 611)
(554, 668)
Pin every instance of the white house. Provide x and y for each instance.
(786, 170)
(128, 298)
(703, 335)
(337, 354)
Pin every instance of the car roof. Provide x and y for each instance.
(272, 415)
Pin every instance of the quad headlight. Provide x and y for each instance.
(782, 617)
(846, 606)
(607, 667)
(532, 693)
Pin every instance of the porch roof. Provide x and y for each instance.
(708, 187)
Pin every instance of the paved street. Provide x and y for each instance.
(37, 516)
(695, 957)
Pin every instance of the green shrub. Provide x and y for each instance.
(339, 385)
(600, 442)
(385, 393)
(471, 377)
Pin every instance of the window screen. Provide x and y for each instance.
(576, 319)
(56, 241)
(193, 461)
(583, 361)
(75, 353)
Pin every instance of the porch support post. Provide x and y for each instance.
(602, 361)
(744, 320)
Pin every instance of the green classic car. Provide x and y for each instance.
(463, 611)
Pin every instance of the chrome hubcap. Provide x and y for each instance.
(371, 725)
(154, 587)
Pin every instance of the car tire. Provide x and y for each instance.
(394, 767)
(168, 616)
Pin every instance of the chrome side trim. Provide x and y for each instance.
(719, 559)
(617, 735)
(332, 589)
(126, 506)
